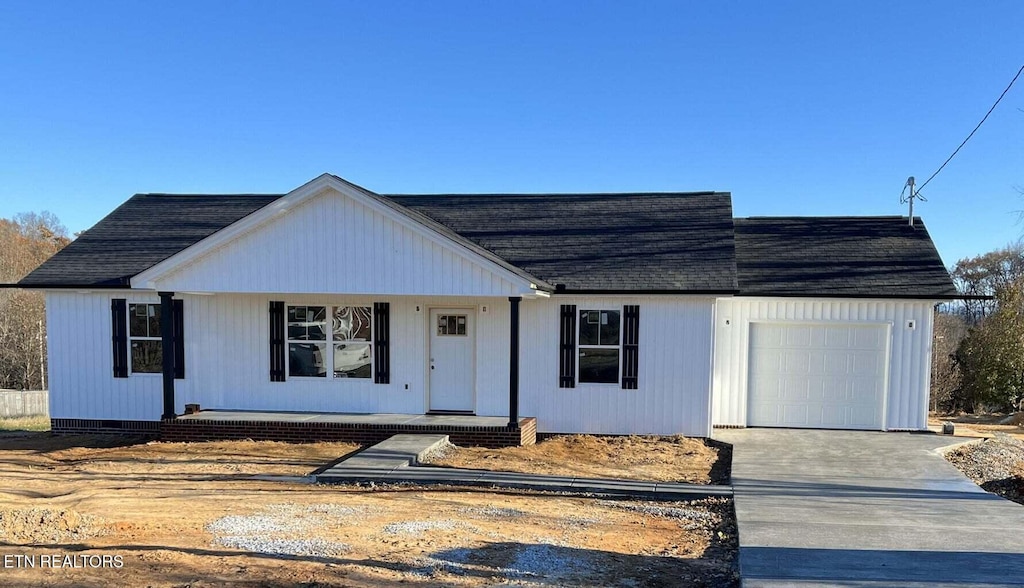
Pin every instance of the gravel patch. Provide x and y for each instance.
(416, 527)
(285, 529)
(996, 464)
(689, 518)
(494, 512)
(549, 560)
(235, 525)
(284, 547)
(576, 522)
(442, 451)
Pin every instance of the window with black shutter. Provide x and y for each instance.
(567, 347)
(179, 339)
(119, 336)
(382, 341)
(278, 354)
(630, 347)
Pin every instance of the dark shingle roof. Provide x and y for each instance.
(140, 233)
(680, 242)
(876, 257)
(653, 242)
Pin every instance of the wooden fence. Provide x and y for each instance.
(21, 403)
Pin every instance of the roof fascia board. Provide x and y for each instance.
(45, 287)
(645, 292)
(846, 297)
(147, 278)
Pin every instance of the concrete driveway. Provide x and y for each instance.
(853, 508)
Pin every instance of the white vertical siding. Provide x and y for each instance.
(674, 376)
(909, 364)
(227, 363)
(228, 357)
(333, 243)
(82, 384)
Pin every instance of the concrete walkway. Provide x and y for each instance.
(395, 461)
(844, 508)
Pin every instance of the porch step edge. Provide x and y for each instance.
(394, 452)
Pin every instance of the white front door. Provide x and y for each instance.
(452, 351)
(817, 375)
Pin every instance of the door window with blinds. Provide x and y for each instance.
(451, 324)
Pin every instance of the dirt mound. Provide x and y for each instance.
(45, 525)
(996, 464)
(667, 459)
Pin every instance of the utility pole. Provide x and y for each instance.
(910, 182)
(910, 198)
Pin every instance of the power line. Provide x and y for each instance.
(984, 118)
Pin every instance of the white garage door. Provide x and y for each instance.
(817, 375)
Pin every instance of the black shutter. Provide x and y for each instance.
(277, 341)
(119, 330)
(567, 348)
(381, 343)
(178, 332)
(630, 346)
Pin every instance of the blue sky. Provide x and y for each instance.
(797, 108)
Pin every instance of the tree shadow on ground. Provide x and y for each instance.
(44, 442)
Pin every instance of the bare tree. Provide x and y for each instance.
(26, 241)
(949, 331)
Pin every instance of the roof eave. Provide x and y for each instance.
(876, 296)
(642, 292)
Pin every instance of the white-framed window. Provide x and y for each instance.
(335, 340)
(599, 346)
(144, 343)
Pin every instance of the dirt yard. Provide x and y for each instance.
(661, 459)
(981, 425)
(192, 515)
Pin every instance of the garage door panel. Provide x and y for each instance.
(866, 363)
(837, 364)
(817, 375)
(837, 338)
(795, 413)
(794, 390)
(799, 338)
(833, 415)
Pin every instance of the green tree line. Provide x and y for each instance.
(978, 347)
(26, 241)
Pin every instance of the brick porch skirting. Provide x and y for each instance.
(105, 427)
(364, 434)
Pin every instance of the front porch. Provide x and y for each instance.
(364, 429)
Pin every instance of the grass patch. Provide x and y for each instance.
(36, 423)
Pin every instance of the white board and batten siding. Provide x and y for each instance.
(332, 242)
(865, 363)
(227, 362)
(227, 359)
(80, 355)
(674, 370)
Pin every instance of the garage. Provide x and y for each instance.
(817, 375)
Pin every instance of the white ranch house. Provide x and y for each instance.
(595, 313)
